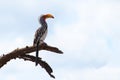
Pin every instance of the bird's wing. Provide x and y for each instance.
(38, 34)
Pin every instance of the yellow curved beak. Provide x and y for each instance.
(49, 16)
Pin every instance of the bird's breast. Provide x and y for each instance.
(44, 36)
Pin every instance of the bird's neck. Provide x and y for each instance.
(43, 22)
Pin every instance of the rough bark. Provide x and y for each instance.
(23, 53)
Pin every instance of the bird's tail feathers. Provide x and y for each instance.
(37, 52)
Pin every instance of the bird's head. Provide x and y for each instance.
(47, 16)
(44, 17)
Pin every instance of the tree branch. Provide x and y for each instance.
(23, 53)
(42, 63)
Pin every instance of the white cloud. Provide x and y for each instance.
(20, 42)
(11, 77)
(91, 39)
(104, 73)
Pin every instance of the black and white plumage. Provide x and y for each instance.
(41, 33)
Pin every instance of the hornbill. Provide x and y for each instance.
(41, 33)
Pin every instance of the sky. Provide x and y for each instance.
(87, 31)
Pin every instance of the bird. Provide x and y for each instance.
(41, 33)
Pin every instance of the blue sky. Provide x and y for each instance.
(87, 31)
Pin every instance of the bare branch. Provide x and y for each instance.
(23, 53)
(42, 63)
